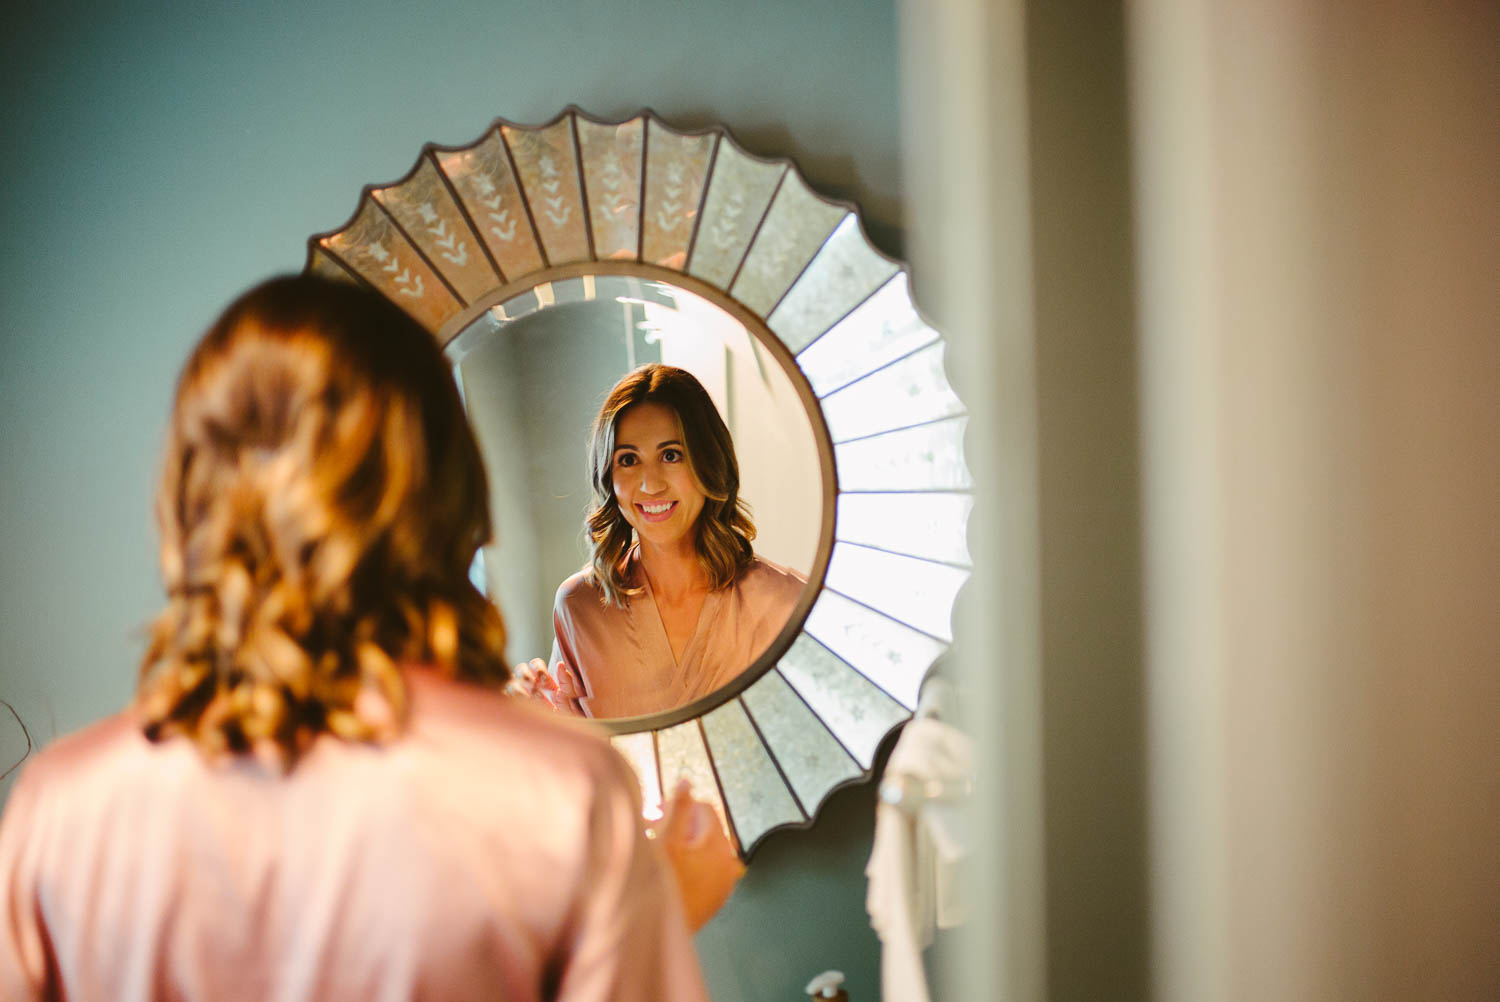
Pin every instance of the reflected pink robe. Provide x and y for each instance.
(492, 852)
(623, 656)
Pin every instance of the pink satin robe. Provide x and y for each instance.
(491, 852)
(625, 661)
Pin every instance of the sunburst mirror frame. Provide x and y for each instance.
(545, 207)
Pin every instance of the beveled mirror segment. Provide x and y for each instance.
(430, 217)
(906, 393)
(486, 184)
(548, 170)
(852, 708)
(754, 791)
(879, 331)
(889, 653)
(844, 273)
(810, 757)
(916, 592)
(320, 262)
(796, 225)
(928, 457)
(612, 178)
(545, 221)
(676, 171)
(932, 526)
(376, 249)
(739, 191)
(682, 756)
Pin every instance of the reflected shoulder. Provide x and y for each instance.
(576, 587)
(774, 573)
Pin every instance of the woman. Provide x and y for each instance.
(319, 793)
(674, 603)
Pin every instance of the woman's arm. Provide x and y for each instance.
(703, 859)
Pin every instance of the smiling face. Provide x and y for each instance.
(653, 480)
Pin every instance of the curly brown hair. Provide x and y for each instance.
(321, 500)
(723, 533)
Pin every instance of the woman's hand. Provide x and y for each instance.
(703, 859)
(531, 680)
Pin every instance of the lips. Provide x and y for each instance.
(656, 511)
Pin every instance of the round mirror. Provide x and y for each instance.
(534, 370)
(554, 258)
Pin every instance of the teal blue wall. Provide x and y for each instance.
(159, 157)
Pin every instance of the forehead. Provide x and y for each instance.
(646, 425)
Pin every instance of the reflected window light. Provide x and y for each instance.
(881, 330)
(912, 391)
(933, 526)
(640, 751)
(928, 457)
(912, 591)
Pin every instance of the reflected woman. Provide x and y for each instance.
(674, 603)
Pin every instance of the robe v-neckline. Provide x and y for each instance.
(695, 639)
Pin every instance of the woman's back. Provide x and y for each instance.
(489, 852)
(289, 811)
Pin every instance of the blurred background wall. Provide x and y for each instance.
(1221, 279)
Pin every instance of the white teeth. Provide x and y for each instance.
(656, 509)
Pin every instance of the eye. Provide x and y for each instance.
(672, 455)
(626, 459)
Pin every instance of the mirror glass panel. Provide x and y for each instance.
(535, 369)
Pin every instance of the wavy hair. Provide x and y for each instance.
(321, 500)
(723, 531)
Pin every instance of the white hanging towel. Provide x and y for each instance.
(919, 843)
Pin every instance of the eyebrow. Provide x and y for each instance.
(621, 446)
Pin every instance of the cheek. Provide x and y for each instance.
(696, 502)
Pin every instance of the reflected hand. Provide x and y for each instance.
(703, 859)
(531, 680)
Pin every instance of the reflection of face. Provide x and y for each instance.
(653, 482)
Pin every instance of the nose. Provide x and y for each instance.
(652, 482)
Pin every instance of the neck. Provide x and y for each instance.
(674, 573)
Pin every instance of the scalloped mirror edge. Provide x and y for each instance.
(524, 205)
